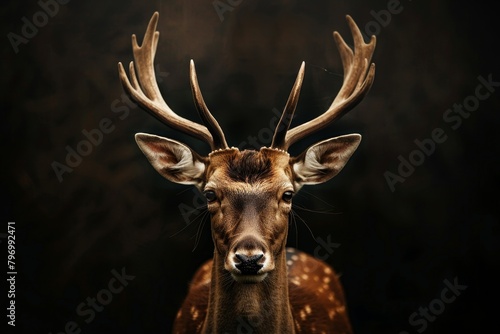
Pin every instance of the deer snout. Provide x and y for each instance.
(249, 261)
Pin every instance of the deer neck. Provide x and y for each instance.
(249, 308)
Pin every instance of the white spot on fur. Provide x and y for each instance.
(340, 309)
(194, 312)
(297, 324)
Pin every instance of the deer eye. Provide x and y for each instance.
(210, 195)
(287, 196)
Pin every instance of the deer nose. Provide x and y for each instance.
(249, 264)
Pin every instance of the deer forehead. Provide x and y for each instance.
(249, 171)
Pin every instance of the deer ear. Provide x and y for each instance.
(174, 161)
(324, 160)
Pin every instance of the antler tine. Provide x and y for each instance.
(143, 88)
(219, 140)
(358, 79)
(354, 64)
(286, 118)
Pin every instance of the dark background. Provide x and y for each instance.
(114, 211)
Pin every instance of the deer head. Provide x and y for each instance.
(249, 193)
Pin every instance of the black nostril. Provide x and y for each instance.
(248, 264)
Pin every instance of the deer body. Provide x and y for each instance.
(312, 309)
(254, 284)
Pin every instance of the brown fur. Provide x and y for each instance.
(249, 167)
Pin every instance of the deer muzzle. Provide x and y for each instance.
(249, 261)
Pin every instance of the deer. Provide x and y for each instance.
(254, 283)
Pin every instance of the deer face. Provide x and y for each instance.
(249, 198)
(249, 193)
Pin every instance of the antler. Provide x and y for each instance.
(143, 89)
(358, 79)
